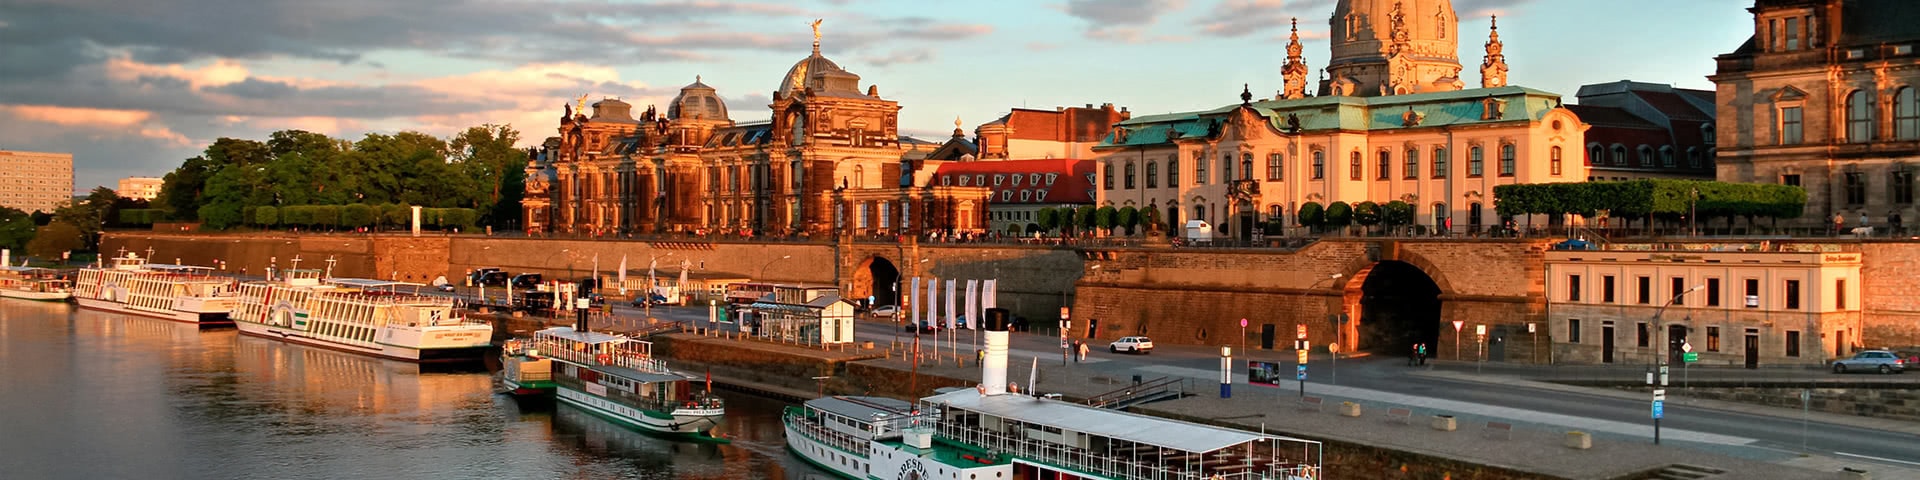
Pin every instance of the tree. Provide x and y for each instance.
(41, 219)
(1128, 217)
(1396, 213)
(1047, 218)
(1066, 220)
(89, 214)
(1366, 213)
(1150, 217)
(1106, 218)
(326, 216)
(266, 216)
(1013, 229)
(1084, 217)
(487, 154)
(356, 215)
(398, 215)
(55, 240)
(1311, 215)
(1339, 214)
(16, 228)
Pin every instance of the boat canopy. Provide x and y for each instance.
(862, 408)
(1131, 427)
(569, 334)
(171, 268)
(370, 283)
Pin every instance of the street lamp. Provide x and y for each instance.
(1659, 390)
(1302, 294)
(1659, 331)
(763, 268)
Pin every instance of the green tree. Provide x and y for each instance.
(55, 239)
(1366, 213)
(356, 215)
(1013, 229)
(1311, 215)
(1396, 214)
(1128, 218)
(1105, 218)
(266, 216)
(1150, 217)
(1047, 218)
(16, 228)
(397, 215)
(1339, 214)
(326, 216)
(1084, 217)
(487, 154)
(297, 216)
(1066, 220)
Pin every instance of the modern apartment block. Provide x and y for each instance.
(35, 181)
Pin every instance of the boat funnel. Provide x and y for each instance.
(993, 367)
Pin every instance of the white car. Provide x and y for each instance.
(887, 311)
(1140, 345)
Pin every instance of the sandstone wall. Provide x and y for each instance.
(1890, 294)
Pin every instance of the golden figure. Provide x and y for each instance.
(816, 30)
(580, 104)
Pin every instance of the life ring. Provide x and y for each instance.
(982, 388)
(603, 358)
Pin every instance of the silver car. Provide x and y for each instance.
(1871, 361)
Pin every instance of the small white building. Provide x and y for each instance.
(804, 314)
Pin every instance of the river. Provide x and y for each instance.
(91, 395)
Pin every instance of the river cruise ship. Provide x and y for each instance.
(525, 373)
(369, 317)
(39, 284)
(181, 293)
(991, 433)
(617, 377)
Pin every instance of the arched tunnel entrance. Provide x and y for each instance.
(879, 279)
(1399, 306)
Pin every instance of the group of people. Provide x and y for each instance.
(1079, 351)
(1418, 355)
(1865, 227)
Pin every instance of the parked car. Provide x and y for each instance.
(886, 311)
(925, 327)
(1871, 361)
(655, 299)
(1140, 345)
(526, 280)
(491, 278)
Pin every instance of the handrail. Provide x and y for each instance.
(1150, 387)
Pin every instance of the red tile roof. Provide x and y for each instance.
(1062, 180)
(1065, 125)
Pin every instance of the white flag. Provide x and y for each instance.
(933, 301)
(991, 297)
(680, 289)
(952, 298)
(914, 316)
(973, 301)
(1033, 377)
(596, 273)
(623, 275)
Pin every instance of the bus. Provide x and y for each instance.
(747, 293)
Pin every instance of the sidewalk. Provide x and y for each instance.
(1712, 375)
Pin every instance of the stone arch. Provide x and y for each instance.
(1354, 303)
(876, 277)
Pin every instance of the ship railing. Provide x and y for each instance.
(820, 433)
(1102, 464)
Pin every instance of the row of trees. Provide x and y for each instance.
(1341, 214)
(358, 215)
(1658, 199)
(73, 226)
(478, 170)
(1087, 218)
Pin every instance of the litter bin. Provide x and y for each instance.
(1136, 379)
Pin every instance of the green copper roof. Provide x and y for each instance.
(1462, 107)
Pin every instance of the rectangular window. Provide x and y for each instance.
(1856, 188)
(1105, 179)
(1573, 330)
(1713, 292)
(1353, 165)
(1474, 162)
(1902, 186)
(1319, 165)
(1713, 339)
(1553, 161)
(1276, 170)
(1790, 132)
(1678, 287)
(1645, 285)
(1173, 171)
(1642, 336)
(1383, 167)
(1840, 294)
(1199, 169)
(1793, 343)
(1440, 163)
(1773, 34)
(1226, 168)
(1791, 180)
(1793, 33)
(1793, 294)
(1413, 164)
(1506, 160)
(1573, 288)
(1606, 289)
(1752, 293)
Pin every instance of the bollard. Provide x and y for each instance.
(1445, 423)
(1579, 440)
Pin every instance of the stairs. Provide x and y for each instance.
(1685, 472)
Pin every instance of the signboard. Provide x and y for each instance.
(1480, 330)
(1303, 357)
(1659, 409)
(1243, 323)
(1690, 357)
(1263, 373)
(1301, 373)
(1333, 348)
(1457, 324)
(1300, 332)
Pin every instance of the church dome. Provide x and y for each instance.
(697, 101)
(820, 74)
(1368, 35)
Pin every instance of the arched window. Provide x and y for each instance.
(1596, 155)
(1246, 166)
(1619, 154)
(1353, 168)
(1106, 175)
(1130, 173)
(1439, 215)
(1153, 174)
(1200, 212)
(1473, 215)
(1693, 157)
(1666, 156)
(1476, 161)
(1276, 213)
(1173, 171)
(1646, 156)
(1553, 162)
(1706, 132)
(1906, 115)
(1859, 117)
(859, 176)
(1319, 165)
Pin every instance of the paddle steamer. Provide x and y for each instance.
(38, 284)
(617, 377)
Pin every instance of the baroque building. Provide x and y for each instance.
(1647, 130)
(1823, 96)
(1393, 123)
(830, 160)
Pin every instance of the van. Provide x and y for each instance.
(526, 280)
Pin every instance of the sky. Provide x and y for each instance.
(134, 88)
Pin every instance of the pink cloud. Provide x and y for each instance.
(138, 122)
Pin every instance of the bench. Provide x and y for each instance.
(1310, 404)
(1402, 415)
(1502, 430)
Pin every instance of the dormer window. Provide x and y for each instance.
(1050, 178)
(980, 179)
(963, 180)
(1026, 196)
(998, 179)
(1706, 133)
(1006, 195)
(1016, 179)
(1041, 195)
(946, 180)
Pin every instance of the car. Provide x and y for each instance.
(887, 311)
(444, 287)
(655, 300)
(1882, 361)
(1140, 345)
(925, 327)
(526, 280)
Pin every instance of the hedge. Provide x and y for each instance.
(1660, 197)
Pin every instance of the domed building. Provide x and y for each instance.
(830, 160)
(1393, 124)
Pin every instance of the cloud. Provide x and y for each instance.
(1123, 21)
(1235, 18)
(105, 121)
(1041, 46)
(915, 55)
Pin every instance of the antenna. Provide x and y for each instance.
(296, 262)
(329, 272)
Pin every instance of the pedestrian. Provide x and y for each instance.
(1863, 218)
(1083, 350)
(1423, 354)
(1839, 222)
(1893, 222)
(1076, 351)
(1413, 355)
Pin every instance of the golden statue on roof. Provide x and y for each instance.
(816, 30)
(580, 104)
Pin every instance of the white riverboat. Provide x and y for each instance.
(181, 293)
(38, 284)
(989, 433)
(617, 378)
(369, 317)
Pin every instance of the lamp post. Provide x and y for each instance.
(1659, 390)
(763, 268)
(1303, 294)
(1226, 371)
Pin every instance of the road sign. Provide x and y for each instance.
(1480, 330)
(1243, 323)
(1300, 332)
(1685, 346)
(1659, 409)
(1663, 375)
(1659, 394)
(1333, 348)
(1301, 373)
(1303, 357)
(1457, 324)
(1690, 357)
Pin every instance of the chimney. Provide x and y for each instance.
(993, 368)
(1089, 106)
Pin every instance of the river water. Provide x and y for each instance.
(91, 395)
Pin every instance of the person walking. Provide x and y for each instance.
(1839, 222)
(1413, 355)
(1083, 350)
(1422, 354)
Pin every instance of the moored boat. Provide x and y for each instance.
(369, 317)
(993, 431)
(617, 377)
(38, 284)
(181, 293)
(525, 373)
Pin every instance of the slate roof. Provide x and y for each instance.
(1464, 107)
(1062, 180)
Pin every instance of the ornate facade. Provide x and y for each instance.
(830, 160)
(1423, 141)
(1824, 96)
